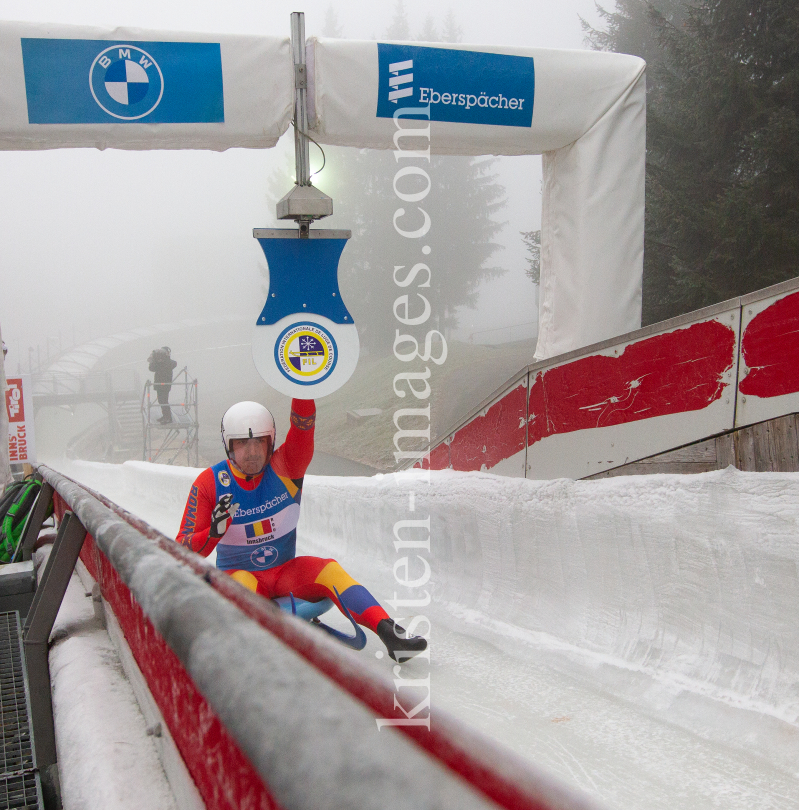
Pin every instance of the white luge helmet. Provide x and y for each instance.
(247, 420)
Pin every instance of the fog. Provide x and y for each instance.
(94, 243)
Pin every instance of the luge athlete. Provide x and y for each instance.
(247, 507)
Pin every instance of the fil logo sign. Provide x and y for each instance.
(86, 81)
(465, 87)
(306, 353)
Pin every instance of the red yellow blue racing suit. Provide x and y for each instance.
(259, 547)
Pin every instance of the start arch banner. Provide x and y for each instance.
(127, 88)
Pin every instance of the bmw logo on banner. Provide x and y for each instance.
(126, 82)
(95, 81)
(305, 343)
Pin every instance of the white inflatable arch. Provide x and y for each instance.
(69, 86)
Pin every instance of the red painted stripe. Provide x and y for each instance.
(439, 458)
(770, 348)
(489, 439)
(224, 777)
(676, 372)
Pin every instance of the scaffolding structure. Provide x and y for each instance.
(176, 441)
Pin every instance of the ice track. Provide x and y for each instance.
(638, 637)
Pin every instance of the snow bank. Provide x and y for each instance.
(105, 757)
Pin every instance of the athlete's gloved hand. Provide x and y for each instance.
(222, 515)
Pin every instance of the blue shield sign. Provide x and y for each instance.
(305, 343)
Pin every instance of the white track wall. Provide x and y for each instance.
(675, 594)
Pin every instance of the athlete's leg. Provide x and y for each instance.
(314, 578)
(260, 582)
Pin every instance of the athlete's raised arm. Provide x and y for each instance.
(294, 455)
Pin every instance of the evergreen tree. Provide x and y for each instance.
(722, 128)
(429, 32)
(332, 28)
(451, 31)
(532, 241)
(400, 28)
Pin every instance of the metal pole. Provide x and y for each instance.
(301, 151)
(303, 203)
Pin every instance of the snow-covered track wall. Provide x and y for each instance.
(665, 386)
(264, 710)
(674, 593)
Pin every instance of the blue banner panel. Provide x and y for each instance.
(464, 87)
(84, 81)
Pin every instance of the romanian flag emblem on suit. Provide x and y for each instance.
(259, 528)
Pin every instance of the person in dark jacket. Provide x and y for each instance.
(162, 365)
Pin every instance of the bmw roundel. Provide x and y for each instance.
(264, 557)
(126, 82)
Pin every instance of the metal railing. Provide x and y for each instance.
(505, 334)
(524, 375)
(61, 387)
(20, 784)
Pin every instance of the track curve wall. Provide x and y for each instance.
(265, 711)
(687, 582)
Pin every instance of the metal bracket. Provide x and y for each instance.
(38, 625)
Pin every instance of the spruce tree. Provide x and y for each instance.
(532, 243)
(399, 28)
(429, 33)
(722, 128)
(332, 28)
(450, 30)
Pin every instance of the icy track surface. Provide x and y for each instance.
(637, 636)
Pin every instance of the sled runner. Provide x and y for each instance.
(311, 611)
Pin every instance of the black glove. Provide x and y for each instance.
(222, 515)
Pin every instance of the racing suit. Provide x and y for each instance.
(258, 549)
